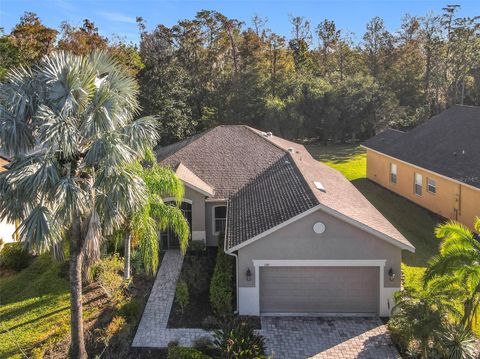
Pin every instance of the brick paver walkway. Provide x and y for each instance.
(152, 330)
(332, 338)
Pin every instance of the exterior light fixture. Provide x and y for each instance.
(391, 274)
(248, 273)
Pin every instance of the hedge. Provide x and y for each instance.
(221, 293)
(13, 256)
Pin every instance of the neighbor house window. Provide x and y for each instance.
(431, 185)
(393, 173)
(220, 218)
(418, 184)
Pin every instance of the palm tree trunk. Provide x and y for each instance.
(76, 310)
(127, 249)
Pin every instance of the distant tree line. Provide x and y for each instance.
(317, 84)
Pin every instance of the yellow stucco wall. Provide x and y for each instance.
(452, 200)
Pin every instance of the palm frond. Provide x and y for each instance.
(39, 232)
(171, 217)
(141, 134)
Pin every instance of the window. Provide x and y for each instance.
(431, 185)
(220, 218)
(418, 184)
(393, 173)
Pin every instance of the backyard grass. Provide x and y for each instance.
(34, 307)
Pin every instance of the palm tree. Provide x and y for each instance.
(419, 314)
(459, 259)
(156, 215)
(69, 125)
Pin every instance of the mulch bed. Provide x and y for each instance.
(197, 271)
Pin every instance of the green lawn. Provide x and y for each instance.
(413, 221)
(34, 307)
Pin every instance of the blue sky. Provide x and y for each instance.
(118, 16)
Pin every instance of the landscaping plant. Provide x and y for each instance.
(142, 226)
(14, 256)
(237, 339)
(181, 295)
(459, 260)
(221, 293)
(68, 124)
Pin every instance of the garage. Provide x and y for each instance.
(322, 290)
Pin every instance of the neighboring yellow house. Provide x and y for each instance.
(436, 165)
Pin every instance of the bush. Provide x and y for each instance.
(13, 256)
(237, 339)
(108, 274)
(196, 247)
(175, 352)
(131, 310)
(221, 293)
(181, 295)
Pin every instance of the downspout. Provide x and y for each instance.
(236, 259)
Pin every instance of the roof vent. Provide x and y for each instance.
(291, 150)
(269, 134)
(319, 186)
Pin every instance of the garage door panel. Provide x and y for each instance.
(319, 289)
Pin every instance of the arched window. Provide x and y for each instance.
(168, 239)
(219, 219)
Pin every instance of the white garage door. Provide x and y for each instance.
(319, 290)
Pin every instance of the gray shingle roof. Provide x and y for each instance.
(267, 184)
(276, 195)
(448, 144)
(225, 157)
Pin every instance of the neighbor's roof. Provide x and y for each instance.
(269, 180)
(448, 144)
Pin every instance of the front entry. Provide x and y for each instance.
(168, 239)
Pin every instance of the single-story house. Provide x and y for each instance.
(436, 164)
(306, 241)
(7, 230)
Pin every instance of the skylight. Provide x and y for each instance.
(319, 186)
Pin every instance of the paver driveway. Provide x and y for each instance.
(333, 338)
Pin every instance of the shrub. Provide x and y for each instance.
(175, 352)
(13, 256)
(108, 273)
(181, 295)
(131, 310)
(221, 293)
(237, 339)
(196, 247)
(193, 272)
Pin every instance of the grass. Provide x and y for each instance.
(414, 222)
(34, 307)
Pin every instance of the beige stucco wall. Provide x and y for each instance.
(198, 213)
(212, 239)
(340, 241)
(452, 200)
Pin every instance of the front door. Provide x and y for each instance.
(168, 239)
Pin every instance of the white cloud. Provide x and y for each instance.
(117, 17)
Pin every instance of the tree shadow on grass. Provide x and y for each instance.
(416, 223)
